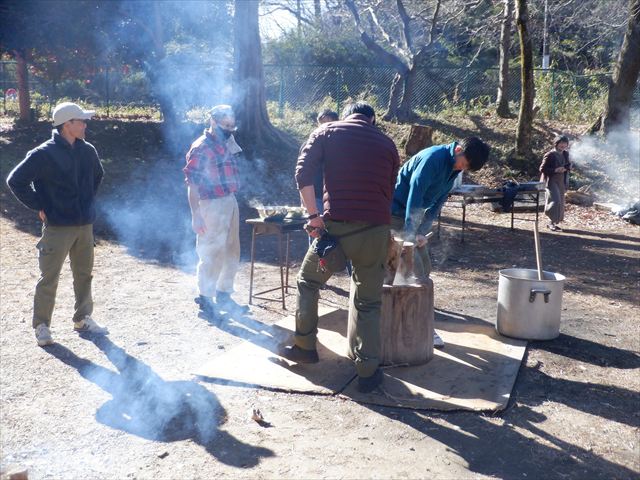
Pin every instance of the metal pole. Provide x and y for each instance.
(107, 87)
(338, 75)
(545, 37)
(281, 94)
(553, 94)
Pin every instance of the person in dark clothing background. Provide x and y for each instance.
(360, 164)
(59, 179)
(554, 171)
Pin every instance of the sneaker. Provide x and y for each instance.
(229, 305)
(299, 355)
(43, 335)
(89, 325)
(369, 384)
(437, 341)
(553, 227)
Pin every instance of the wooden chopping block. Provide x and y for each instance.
(406, 323)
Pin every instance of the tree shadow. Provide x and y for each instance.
(501, 451)
(613, 403)
(145, 405)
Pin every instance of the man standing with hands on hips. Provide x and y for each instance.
(59, 179)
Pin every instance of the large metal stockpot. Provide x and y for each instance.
(529, 308)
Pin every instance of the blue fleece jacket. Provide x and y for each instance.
(422, 187)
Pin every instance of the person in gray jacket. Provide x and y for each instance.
(59, 180)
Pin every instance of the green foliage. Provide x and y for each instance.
(576, 99)
(316, 47)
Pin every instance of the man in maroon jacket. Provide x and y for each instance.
(360, 165)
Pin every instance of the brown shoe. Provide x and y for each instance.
(299, 355)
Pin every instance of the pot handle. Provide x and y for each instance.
(535, 291)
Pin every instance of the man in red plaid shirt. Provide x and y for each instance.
(212, 180)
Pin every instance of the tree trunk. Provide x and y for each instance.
(249, 99)
(394, 98)
(625, 75)
(525, 118)
(505, 44)
(405, 111)
(317, 12)
(157, 75)
(24, 97)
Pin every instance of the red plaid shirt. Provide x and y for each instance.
(211, 168)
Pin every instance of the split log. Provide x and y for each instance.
(420, 137)
(579, 198)
(399, 266)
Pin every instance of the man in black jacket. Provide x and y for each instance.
(59, 179)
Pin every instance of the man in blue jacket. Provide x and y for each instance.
(59, 180)
(422, 187)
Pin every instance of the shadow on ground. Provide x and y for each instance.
(145, 405)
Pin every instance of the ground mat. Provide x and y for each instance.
(475, 371)
(256, 362)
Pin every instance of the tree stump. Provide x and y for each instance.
(420, 137)
(407, 316)
(406, 324)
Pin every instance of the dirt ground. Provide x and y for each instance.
(127, 406)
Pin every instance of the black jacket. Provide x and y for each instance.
(60, 179)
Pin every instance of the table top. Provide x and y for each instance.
(285, 225)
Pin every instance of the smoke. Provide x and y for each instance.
(149, 213)
(611, 165)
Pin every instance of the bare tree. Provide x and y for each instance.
(399, 40)
(249, 96)
(625, 75)
(525, 119)
(505, 45)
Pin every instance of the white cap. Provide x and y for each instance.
(70, 111)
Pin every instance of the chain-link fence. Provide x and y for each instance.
(559, 95)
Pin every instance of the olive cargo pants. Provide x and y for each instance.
(54, 246)
(367, 251)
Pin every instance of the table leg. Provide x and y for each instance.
(253, 253)
(286, 265)
(284, 307)
(464, 220)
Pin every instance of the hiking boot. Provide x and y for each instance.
(369, 384)
(207, 306)
(229, 305)
(437, 341)
(89, 325)
(43, 335)
(299, 355)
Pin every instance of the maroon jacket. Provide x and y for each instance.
(360, 164)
